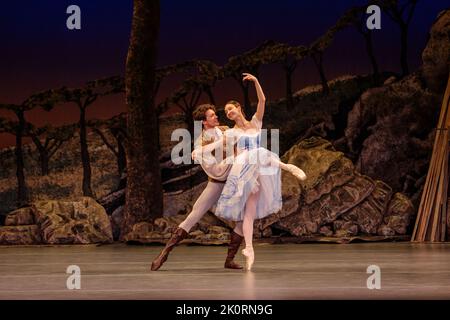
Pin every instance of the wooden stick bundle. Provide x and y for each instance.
(431, 221)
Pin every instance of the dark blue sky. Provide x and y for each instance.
(38, 52)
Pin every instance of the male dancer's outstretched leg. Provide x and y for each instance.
(207, 199)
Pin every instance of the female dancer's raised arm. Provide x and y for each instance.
(261, 97)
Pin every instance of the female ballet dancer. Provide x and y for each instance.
(253, 187)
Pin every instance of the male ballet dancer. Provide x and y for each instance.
(211, 131)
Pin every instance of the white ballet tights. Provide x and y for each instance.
(249, 218)
(205, 201)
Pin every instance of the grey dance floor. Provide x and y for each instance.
(285, 271)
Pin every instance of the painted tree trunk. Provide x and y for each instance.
(22, 190)
(85, 158)
(144, 195)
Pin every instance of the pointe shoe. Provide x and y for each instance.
(249, 255)
(296, 171)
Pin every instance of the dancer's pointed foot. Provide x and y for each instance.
(296, 171)
(249, 255)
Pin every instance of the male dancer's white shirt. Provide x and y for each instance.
(213, 163)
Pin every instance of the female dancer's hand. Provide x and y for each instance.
(259, 92)
(249, 77)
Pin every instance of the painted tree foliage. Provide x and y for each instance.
(116, 127)
(82, 97)
(19, 129)
(401, 12)
(48, 140)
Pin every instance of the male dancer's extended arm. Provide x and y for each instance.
(201, 150)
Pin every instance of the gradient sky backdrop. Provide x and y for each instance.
(38, 51)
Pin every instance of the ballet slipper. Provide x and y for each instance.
(249, 255)
(296, 172)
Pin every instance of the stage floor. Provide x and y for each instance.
(286, 271)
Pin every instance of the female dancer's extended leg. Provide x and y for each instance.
(293, 169)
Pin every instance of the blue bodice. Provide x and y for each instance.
(249, 142)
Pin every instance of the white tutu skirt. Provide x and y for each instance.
(252, 172)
